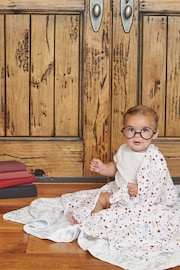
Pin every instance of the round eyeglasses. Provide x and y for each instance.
(145, 133)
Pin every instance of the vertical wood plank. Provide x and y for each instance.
(153, 68)
(124, 71)
(17, 75)
(42, 75)
(67, 75)
(2, 77)
(97, 96)
(173, 78)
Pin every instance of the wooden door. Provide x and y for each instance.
(146, 70)
(54, 85)
(64, 87)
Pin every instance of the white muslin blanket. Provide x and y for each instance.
(137, 234)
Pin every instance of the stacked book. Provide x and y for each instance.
(15, 180)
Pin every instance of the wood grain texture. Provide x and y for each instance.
(159, 6)
(17, 75)
(2, 83)
(64, 87)
(68, 91)
(124, 72)
(173, 78)
(41, 84)
(97, 91)
(54, 158)
(153, 67)
(159, 74)
(171, 151)
(32, 5)
(42, 76)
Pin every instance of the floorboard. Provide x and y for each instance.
(20, 251)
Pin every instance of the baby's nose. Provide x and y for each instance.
(137, 134)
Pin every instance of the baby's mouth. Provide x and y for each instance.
(136, 142)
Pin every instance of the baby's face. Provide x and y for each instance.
(140, 122)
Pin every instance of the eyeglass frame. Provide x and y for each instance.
(139, 132)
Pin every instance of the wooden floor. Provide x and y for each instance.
(21, 251)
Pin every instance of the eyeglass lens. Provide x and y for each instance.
(145, 133)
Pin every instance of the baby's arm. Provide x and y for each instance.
(108, 169)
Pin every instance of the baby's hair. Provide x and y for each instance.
(141, 109)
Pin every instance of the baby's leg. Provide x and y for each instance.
(72, 219)
(103, 202)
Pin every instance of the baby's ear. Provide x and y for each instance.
(155, 135)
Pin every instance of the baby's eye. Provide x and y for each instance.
(131, 129)
(145, 130)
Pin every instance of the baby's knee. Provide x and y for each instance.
(104, 199)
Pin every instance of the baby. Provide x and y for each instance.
(139, 128)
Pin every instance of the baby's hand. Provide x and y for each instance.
(132, 189)
(96, 165)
